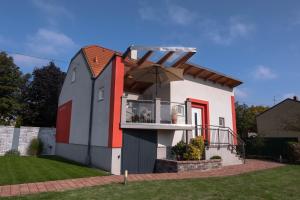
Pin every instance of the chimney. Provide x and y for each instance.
(295, 98)
(133, 54)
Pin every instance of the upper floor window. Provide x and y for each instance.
(101, 94)
(74, 75)
(221, 121)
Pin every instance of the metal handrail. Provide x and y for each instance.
(239, 146)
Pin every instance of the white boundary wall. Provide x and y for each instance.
(19, 138)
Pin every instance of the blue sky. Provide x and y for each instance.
(254, 41)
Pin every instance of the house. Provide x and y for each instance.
(281, 121)
(111, 121)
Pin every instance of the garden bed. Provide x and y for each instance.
(163, 165)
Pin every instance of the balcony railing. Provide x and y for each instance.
(153, 111)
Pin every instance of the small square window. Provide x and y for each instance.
(73, 75)
(100, 94)
(221, 121)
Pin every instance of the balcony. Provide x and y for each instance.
(154, 114)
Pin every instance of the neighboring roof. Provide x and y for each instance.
(280, 103)
(97, 57)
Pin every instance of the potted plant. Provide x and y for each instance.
(174, 115)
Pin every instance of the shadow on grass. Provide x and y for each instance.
(64, 160)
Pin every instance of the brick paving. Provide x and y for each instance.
(62, 185)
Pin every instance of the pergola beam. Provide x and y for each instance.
(163, 59)
(187, 69)
(144, 58)
(183, 59)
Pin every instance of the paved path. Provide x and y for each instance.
(61, 185)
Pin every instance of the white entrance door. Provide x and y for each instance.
(197, 120)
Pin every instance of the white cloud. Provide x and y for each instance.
(27, 61)
(167, 13)
(234, 29)
(47, 42)
(240, 93)
(262, 72)
(52, 12)
(180, 15)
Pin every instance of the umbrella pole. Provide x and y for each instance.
(156, 74)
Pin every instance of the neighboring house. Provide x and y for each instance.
(110, 121)
(281, 120)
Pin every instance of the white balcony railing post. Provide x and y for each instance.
(157, 110)
(188, 119)
(124, 107)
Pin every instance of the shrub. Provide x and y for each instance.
(192, 151)
(35, 147)
(12, 152)
(198, 142)
(179, 149)
(294, 152)
(215, 157)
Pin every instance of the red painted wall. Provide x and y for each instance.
(63, 122)
(233, 117)
(117, 84)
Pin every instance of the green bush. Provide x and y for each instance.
(215, 157)
(179, 149)
(192, 151)
(294, 152)
(12, 152)
(35, 147)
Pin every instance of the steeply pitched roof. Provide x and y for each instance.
(97, 57)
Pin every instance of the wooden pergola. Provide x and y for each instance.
(191, 69)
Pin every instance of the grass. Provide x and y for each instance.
(14, 169)
(279, 183)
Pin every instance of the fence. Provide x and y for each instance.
(19, 139)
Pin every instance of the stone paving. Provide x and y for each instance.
(69, 184)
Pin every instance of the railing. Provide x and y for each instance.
(153, 111)
(172, 112)
(140, 111)
(222, 136)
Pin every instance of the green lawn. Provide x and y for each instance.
(280, 183)
(15, 169)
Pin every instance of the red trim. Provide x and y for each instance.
(63, 122)
(204, 105)
(117, 83)
(233, 117)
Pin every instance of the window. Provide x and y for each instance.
(100, 94)
(73, 75)
(221, 121)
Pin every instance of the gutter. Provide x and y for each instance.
(88, 157)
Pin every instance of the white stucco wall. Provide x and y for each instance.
(219, 98)
(80, 93)
(100, 127)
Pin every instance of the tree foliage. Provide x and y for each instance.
(10, 88)
(246, 118)
(41, 95)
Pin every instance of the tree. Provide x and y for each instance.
(41, 96)
(246, 118)
(10, 83)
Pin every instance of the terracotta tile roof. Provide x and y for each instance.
(97, 57)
